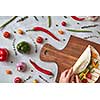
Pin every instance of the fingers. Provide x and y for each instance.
(69, 74)
(63, 74)
(62, 77)
(77, 79)
(72, 79)
(69, 77)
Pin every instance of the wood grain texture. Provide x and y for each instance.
(67, 57)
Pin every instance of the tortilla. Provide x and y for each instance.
(89, 61)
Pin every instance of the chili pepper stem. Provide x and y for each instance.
(29, 30)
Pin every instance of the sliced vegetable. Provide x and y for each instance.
(89, 75)
(94, 55)
(95, 64)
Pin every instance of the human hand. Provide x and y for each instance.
(69, 77)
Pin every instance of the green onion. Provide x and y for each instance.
(49, 21)
(6, 23)
(73, 30)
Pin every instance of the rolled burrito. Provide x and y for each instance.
(87, 66)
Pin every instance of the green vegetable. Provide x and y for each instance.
(49, 21)
(98, 32)
(73, 30)
(81, 75)
(23, 47)
(6, 23)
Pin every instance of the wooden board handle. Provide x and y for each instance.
(51, 54)
(48, 52)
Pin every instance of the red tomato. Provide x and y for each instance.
(17, 80)
(89, 75)
(3, 54)
(84, 81)
(64, 23)
(6, 34)
(39, 40)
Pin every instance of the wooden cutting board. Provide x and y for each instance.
(67, 57)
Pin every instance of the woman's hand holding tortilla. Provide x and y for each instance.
(69, 77)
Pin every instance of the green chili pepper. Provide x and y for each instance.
(6, 23)
(73, 30)
(49, 21)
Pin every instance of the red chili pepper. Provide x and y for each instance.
(40, 69)
(77, 18)
(46, 31)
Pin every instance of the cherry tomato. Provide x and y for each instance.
(89, 75)
(84, 81)
(3, 54)
(6, 34)
(39, 40)
(17, 80)
(64, 23)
